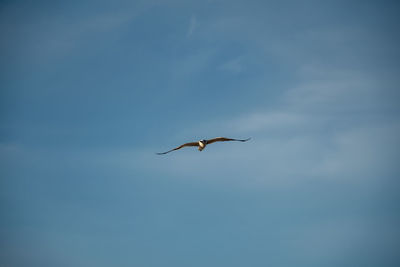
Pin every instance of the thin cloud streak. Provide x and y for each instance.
(192, 26)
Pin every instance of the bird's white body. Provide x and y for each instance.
(202, 145)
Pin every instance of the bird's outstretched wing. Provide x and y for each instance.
(222, 139)
(179, 147)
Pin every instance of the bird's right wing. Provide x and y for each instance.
(223, 139)
(179, 147)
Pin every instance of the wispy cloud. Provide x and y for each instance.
(188, 67)
(319, 130)
(362, 152)
(192, 26)
(233, 65)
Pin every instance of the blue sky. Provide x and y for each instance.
(90, 90)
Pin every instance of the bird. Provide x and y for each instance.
(203, 143)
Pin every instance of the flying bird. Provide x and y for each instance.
(203, 143)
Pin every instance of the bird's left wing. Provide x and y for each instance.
(223, 139)
(179, 147)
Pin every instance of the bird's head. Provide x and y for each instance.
(203, 141)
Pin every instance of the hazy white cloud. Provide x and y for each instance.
(319, 131)
(362, 152)
(192, 25)
(328, 90)
(267, 121)
(187, 67)
(234, 65)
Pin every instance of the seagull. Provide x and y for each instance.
(202, 143)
